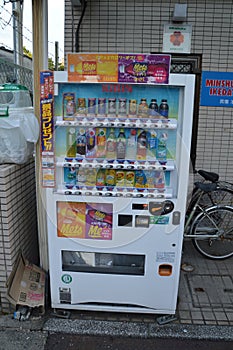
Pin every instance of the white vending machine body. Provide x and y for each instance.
(115, 247)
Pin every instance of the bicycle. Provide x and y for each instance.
(221, 192)
(209, 219)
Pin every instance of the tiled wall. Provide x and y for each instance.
(18, 220)
(137, 26)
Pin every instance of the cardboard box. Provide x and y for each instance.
(26, 285)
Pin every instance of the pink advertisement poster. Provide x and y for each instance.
(140, 68)
(99, 221)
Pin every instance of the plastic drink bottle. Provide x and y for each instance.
(162, 148)
(100, 178)
(81, 142)
(143, 108)
(101, 142)
(121, 145)
(159, 179)
(111, 145)
(153, 108)
(90, 141)
(69, 177)
(131, 145)
(151, 144)
(141, 145)
(71, 143)
(163, 108)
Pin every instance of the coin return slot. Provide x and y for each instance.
(165, 270)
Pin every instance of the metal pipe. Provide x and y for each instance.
(84, 5)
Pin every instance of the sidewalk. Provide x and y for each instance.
(204, 311)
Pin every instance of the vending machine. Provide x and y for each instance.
(116, 182)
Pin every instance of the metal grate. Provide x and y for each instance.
(12, 73)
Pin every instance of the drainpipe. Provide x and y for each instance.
(83, 9)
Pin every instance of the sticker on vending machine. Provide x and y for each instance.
(99, 221)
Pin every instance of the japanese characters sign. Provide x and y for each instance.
(177, 38)
(119, 68)
(47, 129)
(217, 89)
(92, 67)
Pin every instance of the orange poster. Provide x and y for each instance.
(92, 67)
(71, 219)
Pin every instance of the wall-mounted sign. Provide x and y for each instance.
(217, 89)
(177, 38)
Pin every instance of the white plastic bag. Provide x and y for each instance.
(18, 134)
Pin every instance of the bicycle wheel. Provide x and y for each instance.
(218, 223)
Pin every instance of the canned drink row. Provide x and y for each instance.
(121, 107)
(110, 178)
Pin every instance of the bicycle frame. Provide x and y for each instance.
(196, 206)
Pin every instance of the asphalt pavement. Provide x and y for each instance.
(204, 315)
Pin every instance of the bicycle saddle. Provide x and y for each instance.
(209, 176)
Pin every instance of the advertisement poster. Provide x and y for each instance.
(92, 67)
(177, 38)
(119, 68)
(217, 89)
(84, 220)
(153, 69)
(47, 129)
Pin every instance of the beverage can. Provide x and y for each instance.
(129, 178)
(122, 107)
(120, 178)
(132, 108)
(81, 108)
(101, 106)
(110, 179)
(112, 106)
(140, 179)
(91, 106)
(150, 178)
(68, 106)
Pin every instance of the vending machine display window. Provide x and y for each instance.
(123, 264)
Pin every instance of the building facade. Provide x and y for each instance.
(136, 26)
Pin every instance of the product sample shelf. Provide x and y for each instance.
(130, 123)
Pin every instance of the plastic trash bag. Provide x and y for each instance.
(18, 134)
